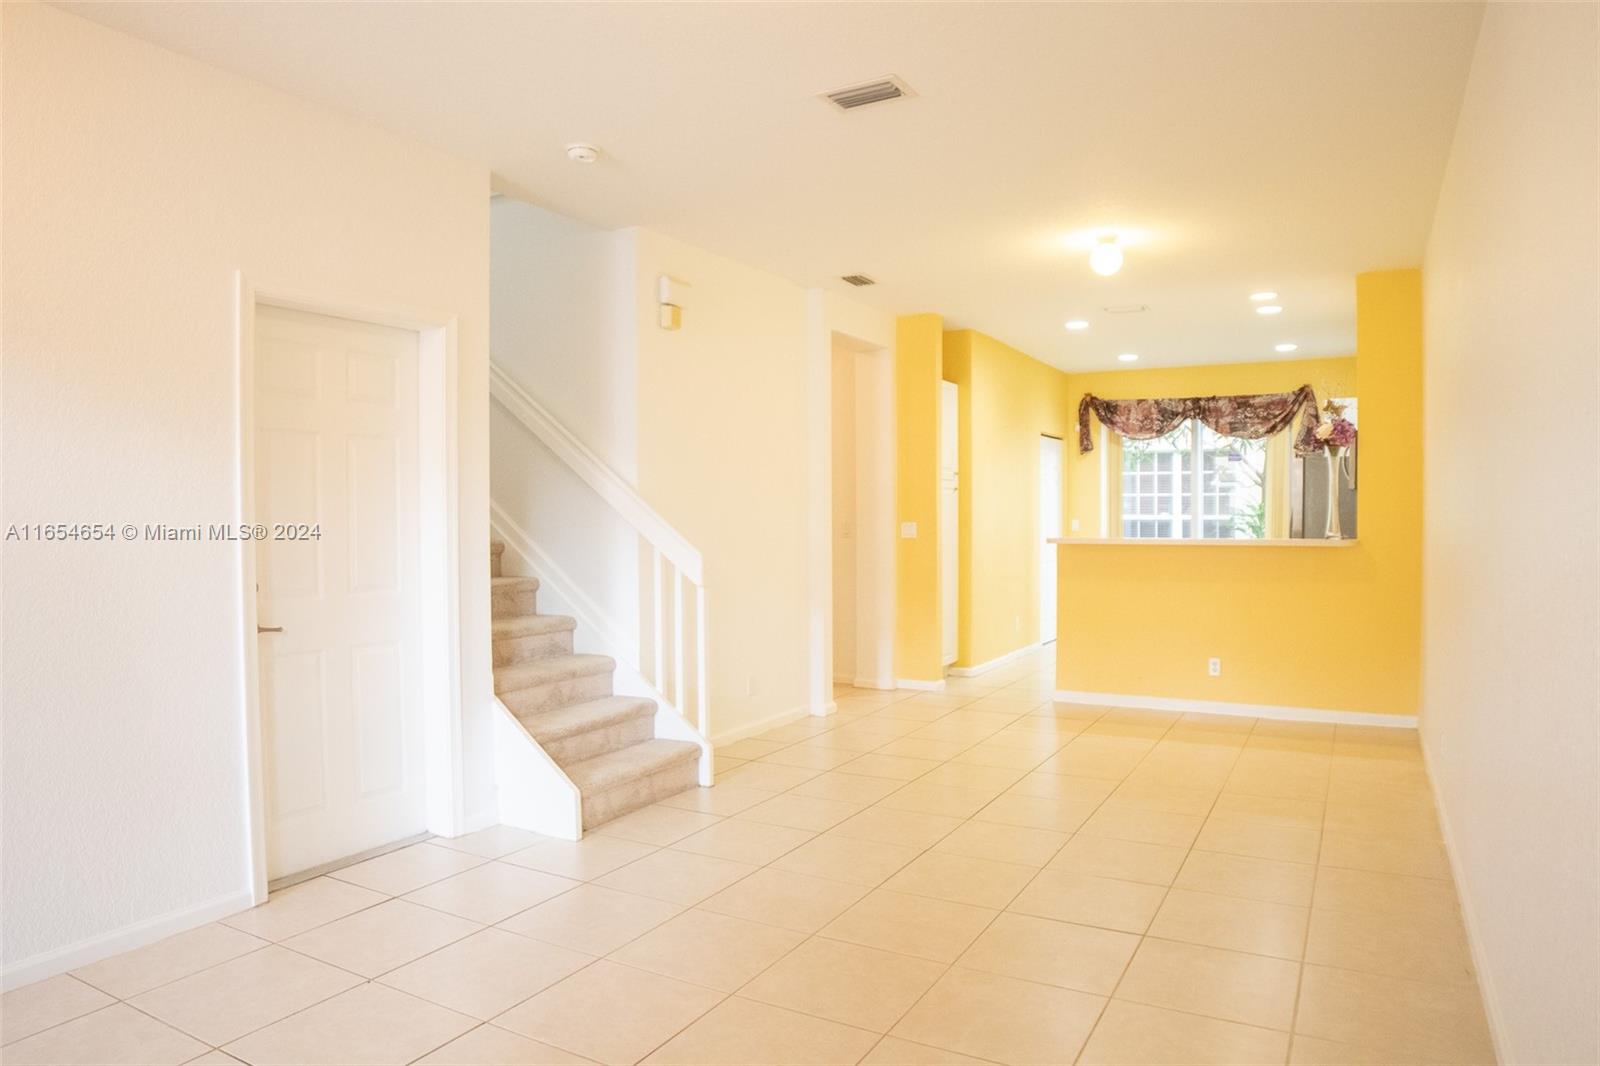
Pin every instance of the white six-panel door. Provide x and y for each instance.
(1049, 526)
(336, 451)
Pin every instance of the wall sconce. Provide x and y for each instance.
(669, 300)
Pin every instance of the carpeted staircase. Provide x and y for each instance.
(606, 744)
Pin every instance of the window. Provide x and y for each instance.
(1194, 483)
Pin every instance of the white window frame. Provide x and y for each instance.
(1196, 516)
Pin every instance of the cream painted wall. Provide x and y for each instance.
(136, 185)
(1509, 560)
(723, 439)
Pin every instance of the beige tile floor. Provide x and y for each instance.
(974, 876)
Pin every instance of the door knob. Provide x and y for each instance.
(269, 629)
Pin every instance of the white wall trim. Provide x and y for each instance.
(1247, 710)
(137, 935)
(877, 684)
(1001, 660)
(1480, 964)
(439, 501)
(920, 686)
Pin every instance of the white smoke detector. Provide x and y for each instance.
(582, 153)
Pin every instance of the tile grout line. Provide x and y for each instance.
(1144, 936)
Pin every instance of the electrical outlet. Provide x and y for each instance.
(1214, 667)
(908, 531)
(749, 684)
(1074, 525)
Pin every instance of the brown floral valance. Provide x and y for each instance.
(1249, 417)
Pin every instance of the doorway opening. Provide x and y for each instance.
(863, 485)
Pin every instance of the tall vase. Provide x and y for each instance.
(1333, 530)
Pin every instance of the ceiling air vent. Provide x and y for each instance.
(858, 280)
(872, 92)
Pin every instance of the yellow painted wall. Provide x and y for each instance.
(919, 359)
(1330, 377)
(1319, 627)
(1008, 400)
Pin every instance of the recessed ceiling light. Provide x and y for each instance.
(1128, 357)
(1268, 309)
(1262, 297)
(1284, 347)
(1106, 258)
(1076, 324)
(582, 153)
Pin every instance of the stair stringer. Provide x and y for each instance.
(533, 792)
(596, 633)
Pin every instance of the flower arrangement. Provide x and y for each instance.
(1335, 432)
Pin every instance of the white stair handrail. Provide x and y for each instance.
(665, 541)
(607, 483)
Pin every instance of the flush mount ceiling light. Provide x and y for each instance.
(1128, 357)
(1263, 297)
(1106, 258)
(1269, 309)
(1284, 347)
(582, 153)
(1076, 324)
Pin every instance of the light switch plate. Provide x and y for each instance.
(908, 531)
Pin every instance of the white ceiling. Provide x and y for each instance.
(1243, 147)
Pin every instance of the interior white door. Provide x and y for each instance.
(949, 518)
(336, 484)
(1049, 526)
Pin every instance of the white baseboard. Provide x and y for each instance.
(920, 686)
(983, 668)
(1246, 710)
(137, 935)
(824, 710)
(877, 684)
(1480, 965)
(793, 714)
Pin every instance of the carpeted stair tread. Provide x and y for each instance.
(527, 625)
(555, 668)
(549, 726)
(498, 583)
(617, 768)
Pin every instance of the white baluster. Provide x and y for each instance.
(658, 638)
(677, 641)
(703, 713)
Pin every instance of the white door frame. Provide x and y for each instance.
(439, 571)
